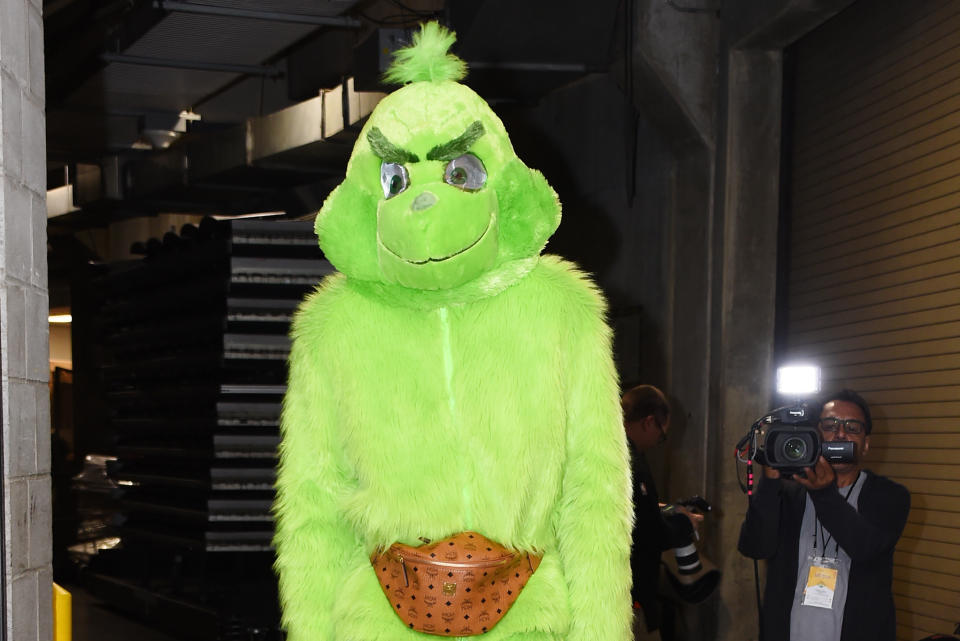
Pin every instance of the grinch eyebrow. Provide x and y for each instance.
(459, 145)
(386, 150)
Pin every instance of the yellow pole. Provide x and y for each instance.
(62, 614)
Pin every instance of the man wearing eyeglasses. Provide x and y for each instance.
(828, 536)
(646, 420)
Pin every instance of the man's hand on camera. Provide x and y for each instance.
(818, 477)
(770, 473)
(695, 519)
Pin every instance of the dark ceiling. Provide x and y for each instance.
(151, 103)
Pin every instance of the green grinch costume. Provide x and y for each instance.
(449, 378)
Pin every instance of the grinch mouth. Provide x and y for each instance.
(442, 258)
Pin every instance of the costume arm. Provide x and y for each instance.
(593, 519)
(314, 545)
(864, 536)
(760, 532)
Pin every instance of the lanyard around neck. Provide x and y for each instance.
(818, 526)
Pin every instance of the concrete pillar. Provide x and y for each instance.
(744, 325)
(24, 369)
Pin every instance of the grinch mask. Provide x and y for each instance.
(435, 197)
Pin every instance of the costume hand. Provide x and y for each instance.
(817, 477)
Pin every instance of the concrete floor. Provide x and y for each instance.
(94, 621)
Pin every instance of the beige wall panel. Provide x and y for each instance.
(869, 223)
(840, 262)
(945, 473)
(868, 156)
(926, 562)
(855, 70)
(888, 339)
(825, 291)
(931, 533)
(904, 440)
(885, 455)
(936, 518)
(928, 608)
(937, 502)
(846, 252)
(869, 313)
(908, 633)
(946, 409)
(912, 426)
(927, 625)
(941, 102)
(917, 320)
(925, 592)
(888, 265)
(894, 199)
(877, 384)
(881, 179)
(865, 299)
(909, 574)
(917, 364)
(928, 97)
(855, 67)
(916, 483)
(935, 394)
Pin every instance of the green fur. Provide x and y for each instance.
(427, 59)
(387, 151)
(530, 452)
(418, 118)
(459, 145)
(450, 378)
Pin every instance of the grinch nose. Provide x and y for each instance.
(426, 200)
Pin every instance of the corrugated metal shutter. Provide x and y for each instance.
(874, 261)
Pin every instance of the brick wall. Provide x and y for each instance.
(24, 370)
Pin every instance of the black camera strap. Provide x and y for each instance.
(826, 541)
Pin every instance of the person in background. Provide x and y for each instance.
(646, 420)
(828, 536)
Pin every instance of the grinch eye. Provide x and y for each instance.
(465, 172)
(393, 178)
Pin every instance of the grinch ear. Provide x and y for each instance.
(347, 230)
(529, 210)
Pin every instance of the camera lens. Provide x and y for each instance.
(795, 449)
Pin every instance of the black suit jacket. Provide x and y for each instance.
(867, 533)
(652, 533)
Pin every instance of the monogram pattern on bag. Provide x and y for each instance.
(465, 597)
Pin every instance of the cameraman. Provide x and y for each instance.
(646, 420)
(828, 537)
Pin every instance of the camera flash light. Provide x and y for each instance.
(798, 380)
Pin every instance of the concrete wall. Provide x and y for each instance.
(23, 325)
(668, 168)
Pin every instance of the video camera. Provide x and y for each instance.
(788, 439)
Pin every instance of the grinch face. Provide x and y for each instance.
(435, 196)
(437, 225)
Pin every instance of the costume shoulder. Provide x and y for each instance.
(321, 309)
(571, 284)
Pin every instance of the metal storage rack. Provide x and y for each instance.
(192, 347)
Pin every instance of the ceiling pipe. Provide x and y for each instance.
(252, 70)
(254, 14)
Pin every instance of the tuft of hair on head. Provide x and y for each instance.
(428, 58)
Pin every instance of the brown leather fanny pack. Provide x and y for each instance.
(460, 586)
